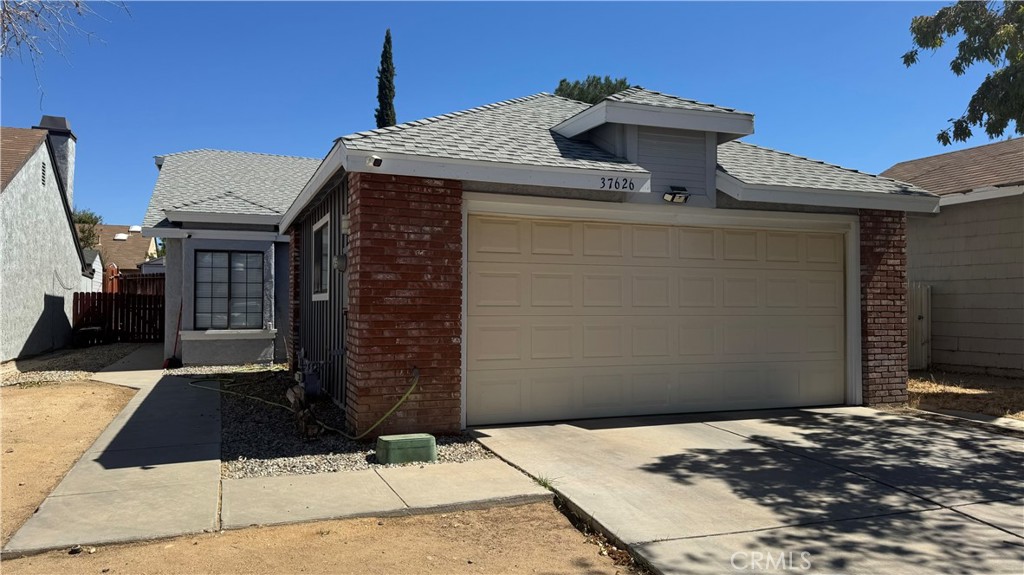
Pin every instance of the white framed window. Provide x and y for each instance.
(322, 258)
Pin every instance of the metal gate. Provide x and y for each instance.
(919, 326)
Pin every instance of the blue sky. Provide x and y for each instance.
(824, 80)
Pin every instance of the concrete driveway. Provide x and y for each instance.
(839, 490)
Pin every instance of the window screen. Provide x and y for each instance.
(229, 290)
(321, 258)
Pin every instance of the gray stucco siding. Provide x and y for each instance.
(972, 255)
(40, 268)
(180, 294)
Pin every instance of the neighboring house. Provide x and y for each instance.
(124, 249)
(41, 261)
(972, 255)
(545, 259)
(153, 266)
(226, 264)
(95, 262)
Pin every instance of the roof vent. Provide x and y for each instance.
(135, 230)
(121, 237)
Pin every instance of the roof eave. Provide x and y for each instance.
(732, 124)
(221, 218)
(740, 190)
(392, 163)
(981, 194)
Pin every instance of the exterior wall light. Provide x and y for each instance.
(374, 161)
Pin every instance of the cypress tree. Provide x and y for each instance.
(385, 112)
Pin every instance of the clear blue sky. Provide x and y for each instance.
(824, 80)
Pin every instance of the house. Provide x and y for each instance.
(95, 262)
(124, 249)
(971, 253)
(153, 266)
(226, 262)
(41, 261)
(545, 259)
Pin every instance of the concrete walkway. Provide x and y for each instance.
(155, 472)
(844, 490)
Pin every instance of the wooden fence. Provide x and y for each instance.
(919, 326)
(118, 317)
(144, 284)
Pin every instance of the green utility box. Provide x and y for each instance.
(406, 448)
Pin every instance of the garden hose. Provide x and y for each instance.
(230, 382)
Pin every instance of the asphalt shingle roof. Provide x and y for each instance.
(997, 164)
(638, 95)
(755, 165)
(127, 253)
(513, 132)
(16, 146)
(217, 181)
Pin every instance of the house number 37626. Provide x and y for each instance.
(617, 184)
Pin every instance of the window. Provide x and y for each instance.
(229, 290)
(322, 257)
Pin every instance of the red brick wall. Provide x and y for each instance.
(405, 302)
(294, 294)
(883, 297)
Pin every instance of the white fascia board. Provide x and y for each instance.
(496, 172)
(328, 167)
(215, 218)
(825, 198)
(676, 118)
(181, 233)
(479, 203)
(583, 121)
(981, 194)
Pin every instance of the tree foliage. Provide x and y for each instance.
(992, 33)
(86, 222)
(385, 112)
(592, 90)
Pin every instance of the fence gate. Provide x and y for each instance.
(919, 326)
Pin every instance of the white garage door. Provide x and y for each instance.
(587, 319)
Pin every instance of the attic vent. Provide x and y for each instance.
(121, 237)
(135, 230)
(44, 174)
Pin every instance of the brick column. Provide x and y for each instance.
(883, 297)
(405, 302)
(295, 295)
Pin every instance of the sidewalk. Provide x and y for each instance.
(155, 472)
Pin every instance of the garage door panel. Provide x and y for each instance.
(523, 288)
(495, 239)
(570, 319)
(541, 395)
(553, 341)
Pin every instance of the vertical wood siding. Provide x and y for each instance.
(675, 158)
(322, 323)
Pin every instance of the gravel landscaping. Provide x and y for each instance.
(64, 365)
(261, 440)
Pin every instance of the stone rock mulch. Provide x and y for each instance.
(261, 440)
(64, 365)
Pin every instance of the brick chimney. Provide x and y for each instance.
(62, 141)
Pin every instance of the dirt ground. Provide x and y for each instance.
(986, 394)
(527, 539)
(46, 428)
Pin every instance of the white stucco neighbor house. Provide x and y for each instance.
(226, 262)
(971, 253)
(41, 261)
(546, 259)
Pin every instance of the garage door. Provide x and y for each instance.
(588, 319)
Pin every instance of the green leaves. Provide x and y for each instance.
(989, 32)
(591, 90)
(385, 112)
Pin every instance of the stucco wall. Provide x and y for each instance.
(172, 296)
(39, 264)
(973, 257)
